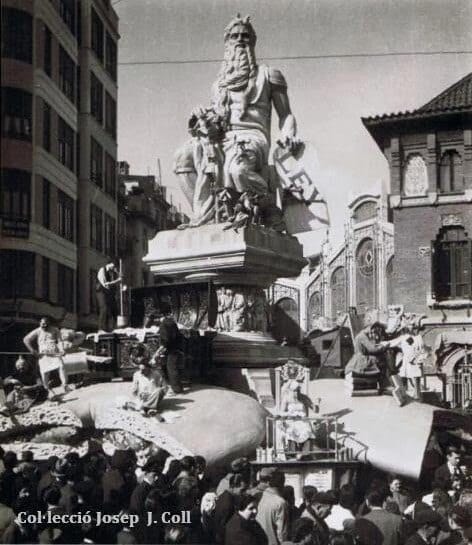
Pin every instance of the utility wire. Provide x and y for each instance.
(307, 57)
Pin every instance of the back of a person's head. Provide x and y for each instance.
(309, 493)
(27, 456)
(199, 461)
(10, 459)
(243, 501)
(277, 479)
(288, 494)
(188, 463)
(376, 498)
(347, 496)
(175, 467)
(302, 528)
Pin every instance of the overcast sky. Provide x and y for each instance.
(328, 95)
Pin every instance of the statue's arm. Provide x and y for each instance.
(287, 122)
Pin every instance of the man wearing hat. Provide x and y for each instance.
(427, 522)
(318, 506)
(273, 511)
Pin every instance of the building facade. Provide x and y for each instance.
(143, 211)
(429, 151)
(50, 178)
(357, 274)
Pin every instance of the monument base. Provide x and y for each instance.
(201, 253)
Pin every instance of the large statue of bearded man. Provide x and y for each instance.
(231, 143)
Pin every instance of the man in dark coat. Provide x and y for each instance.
(169, 352)
(379, 527)
(242, 528)
(449, 471)
(226, 503)
(107, 280)
(151, 472)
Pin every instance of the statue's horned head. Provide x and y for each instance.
(240, 28)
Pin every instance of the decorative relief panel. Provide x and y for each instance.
(451, 219)
(415, 178)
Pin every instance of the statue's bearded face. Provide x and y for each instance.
(239, 60)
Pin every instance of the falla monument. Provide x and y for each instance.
(245, 208)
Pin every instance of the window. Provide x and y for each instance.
(17, 274)
(46, 203)
(16, 113)
(65, 287)
(15, 194)
(110, 115)
(66, 74)
(451, 177)
(93, 298)
(67, 13)
(65, 216)
(97, 35)
(46, 126)
(47, 53)
(66, 144)
(110, 175)
(96, 221)
(17, 34)
(45, 279)
(96, 162)
(338, 292)
(111, 56)
(452, 264)
(96, 98)
(110, 238)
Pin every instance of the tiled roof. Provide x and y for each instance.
(456, 98)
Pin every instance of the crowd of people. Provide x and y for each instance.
(114, 498)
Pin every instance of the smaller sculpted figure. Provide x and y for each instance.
(228, 306)
(149, 388)
(250, 310)
(44, 343)
(107, 280)
(221, 309)
(238, 312)
(260, 313)
(256, 311)
(26, 389)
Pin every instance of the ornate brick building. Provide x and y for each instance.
(429, 151)
(355, 274)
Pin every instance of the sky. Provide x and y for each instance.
(328, 96)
